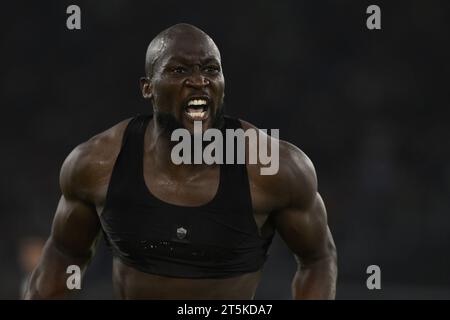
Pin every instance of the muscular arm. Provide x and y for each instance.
(73, 235)
(303, 226)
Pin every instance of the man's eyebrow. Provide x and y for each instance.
(209, 60)
(187, 61)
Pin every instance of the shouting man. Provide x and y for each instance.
(184, 231)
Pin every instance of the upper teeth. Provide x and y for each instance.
(197, 102)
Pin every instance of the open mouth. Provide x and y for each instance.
(197, 109)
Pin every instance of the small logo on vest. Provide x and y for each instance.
(181, 233)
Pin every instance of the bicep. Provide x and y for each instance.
(75, 227)
(305, 230)
(76, 224)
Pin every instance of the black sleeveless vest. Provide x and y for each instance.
(216, 240)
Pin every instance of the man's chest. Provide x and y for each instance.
(197, 189)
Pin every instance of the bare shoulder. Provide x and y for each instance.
(296, 178)
(298, 171)
(90, 164)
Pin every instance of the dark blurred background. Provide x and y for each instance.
(368, 107)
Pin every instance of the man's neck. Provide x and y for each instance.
(158, 146)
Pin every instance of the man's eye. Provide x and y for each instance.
(211, 69)
(179, 70)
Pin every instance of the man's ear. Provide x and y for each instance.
(146, 88)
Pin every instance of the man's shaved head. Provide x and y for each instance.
(178, 32)
(183, 64)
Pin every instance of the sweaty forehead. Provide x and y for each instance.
(182, 42)
(190, 47)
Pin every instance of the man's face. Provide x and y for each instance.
(187, 83)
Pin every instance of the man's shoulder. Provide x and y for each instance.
(296, 171)
(296, 167)
(91, 162)
(293, 160)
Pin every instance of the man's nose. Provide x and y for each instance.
(197, 79)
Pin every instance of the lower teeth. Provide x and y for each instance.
(196, 114)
